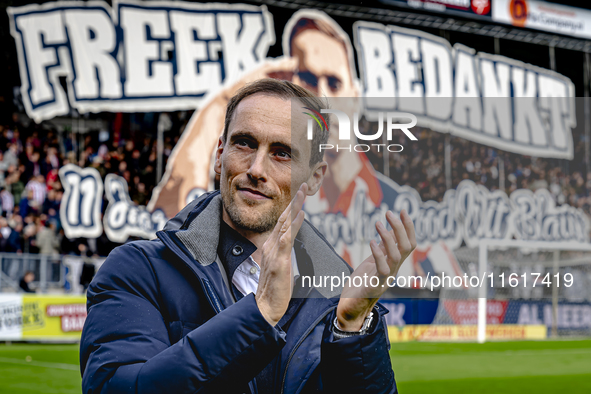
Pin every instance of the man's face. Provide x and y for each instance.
(324, 68)
(261, 161)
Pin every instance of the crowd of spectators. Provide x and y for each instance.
(31, 155)
(30, 189)
(421, 165)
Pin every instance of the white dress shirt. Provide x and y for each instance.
(246, 277)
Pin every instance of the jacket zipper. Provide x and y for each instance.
(217, 307)
(205, 285)
(308, 331)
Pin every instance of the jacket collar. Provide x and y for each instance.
(201, 231)
(197, 227)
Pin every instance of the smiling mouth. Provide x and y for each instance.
(253, 194)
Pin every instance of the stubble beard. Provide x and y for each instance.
(262, 222)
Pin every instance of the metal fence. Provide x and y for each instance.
(53, 273)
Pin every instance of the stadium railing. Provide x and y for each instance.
(53, 273)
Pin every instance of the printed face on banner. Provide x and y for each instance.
(322, 63)
(324, 60)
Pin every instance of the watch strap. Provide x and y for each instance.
(338, 333)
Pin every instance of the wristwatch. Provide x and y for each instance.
(338, 333)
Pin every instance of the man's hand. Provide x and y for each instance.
(387, 257)
(275, 283)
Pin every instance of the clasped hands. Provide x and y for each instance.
(275, 282)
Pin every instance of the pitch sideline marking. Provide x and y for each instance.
(525, 352)
(69, 367)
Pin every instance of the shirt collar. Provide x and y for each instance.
(233, 249)
(196, 232)
(294, 264)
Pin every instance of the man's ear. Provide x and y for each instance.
(217, 167)
(316, 178)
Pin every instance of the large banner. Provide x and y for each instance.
(570, 316)
(415, 319)
(467, 214)
(41, 317)
(80, 211)
(444, 333)
(136, 56)
(160, 56)
(410, 311)
(489, 99)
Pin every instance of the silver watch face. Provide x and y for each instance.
(344, 334)
(367, 322)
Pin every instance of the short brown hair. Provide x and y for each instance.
(285, 90)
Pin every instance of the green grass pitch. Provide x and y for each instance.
(496, 367)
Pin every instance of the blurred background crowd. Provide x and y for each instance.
(422, 167)
(30, 189)
(31, 154)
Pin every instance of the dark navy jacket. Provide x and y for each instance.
(161, 319)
